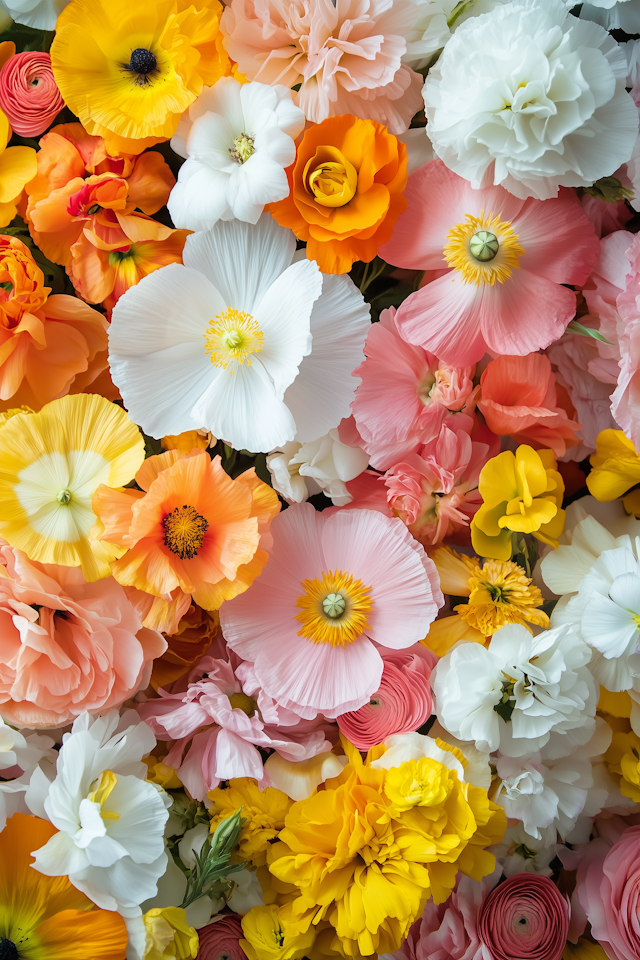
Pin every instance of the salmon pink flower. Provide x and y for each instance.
(28, 93)
(525, 917)
(508, 261)
(335, 589)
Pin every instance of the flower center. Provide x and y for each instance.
(63, 496)
(142, 61)
(184, 530)
(333, 609)
(103, 789)
(233, 335)
(8, 950)
(330, 177)
(243, 148)
(240, 701)
(483, 249)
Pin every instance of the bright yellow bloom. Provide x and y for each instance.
(366, 852)
(128, 71)
(334, 610)
(622, 760)
(264, 811)
(615, 704)
(584, 950)
(522, 493)
(615, 468)
(169, 936)
(270, 937)
(51, 463)
(18, 166)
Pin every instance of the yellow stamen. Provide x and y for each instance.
(233, 335)
(333, 609)
(184, 531)
(240, 701)
(104, 788)
(471, 249)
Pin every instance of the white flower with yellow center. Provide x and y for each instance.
(51, 464)
(239, 341)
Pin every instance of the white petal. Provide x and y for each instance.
(59, 857)
(210, 141)
(201, 192)
(608, 627)
(625, 591)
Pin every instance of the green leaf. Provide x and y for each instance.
(576, 327)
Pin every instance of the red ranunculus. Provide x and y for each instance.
(219, 940)
(28, 93)
(526, 917)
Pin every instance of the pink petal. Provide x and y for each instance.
(559, 239)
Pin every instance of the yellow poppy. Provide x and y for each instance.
(51, 463)
(46, 918)
(18, 166)
(128, 71)
(615, 468)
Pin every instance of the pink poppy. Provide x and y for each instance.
(346, 56)
(405, 394)
(336, 588)
(508, 260)
(220, 720)
(435, 491)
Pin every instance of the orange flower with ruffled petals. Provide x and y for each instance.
(346, 191)
(190, 528)
(49, 346)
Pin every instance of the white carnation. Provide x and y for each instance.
(300, 470)
(437, 20)
(613, 14)
(532, 99)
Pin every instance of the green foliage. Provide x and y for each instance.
(26, 38)
(212, 863)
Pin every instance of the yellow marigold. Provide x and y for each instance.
(622, 760)
(522, 493)
(366, 852)
(264, 811)
(270, 937)
(615, 468)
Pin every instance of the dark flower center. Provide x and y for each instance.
(8, 950)
(142, 61)
(184, 530)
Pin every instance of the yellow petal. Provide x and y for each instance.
(18, 165)
(444, 633)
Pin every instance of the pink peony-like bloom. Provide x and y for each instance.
(28, 93)
(405, 394)
(526, 917)
(336, 588)
(346, 55)
(606, 217)
(402, 703)
(220, 720)
(435, 491)
(625, 400)
(220, 939)
(601, 292)
(66, 646)
(507, 297)
(519, 399)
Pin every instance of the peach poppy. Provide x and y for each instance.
(520, 398)
(346, 191)
(190, 528)
(49, 346)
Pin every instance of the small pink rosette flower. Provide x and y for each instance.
(525, 917)
(28, 93)
(221, 938)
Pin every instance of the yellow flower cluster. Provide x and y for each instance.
(264, 812)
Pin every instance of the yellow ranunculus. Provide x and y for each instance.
(615, 468)
(269, 937)
(18, 166)
(263, 810)
(522, 493)
(129, 71)
(169, 936)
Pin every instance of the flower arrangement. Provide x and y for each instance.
(319, 480)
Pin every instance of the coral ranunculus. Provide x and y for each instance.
(49, 345)
(28, 93)
(346, 191)
(221, 938)
(527, 917)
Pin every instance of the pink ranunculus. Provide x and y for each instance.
(405, 394)
(512, 301)
(28, 93)
(66, 646)
(220, 720)
(346, 55)
(220, 939)
(526, 917)
(402, 703)
(435, 491)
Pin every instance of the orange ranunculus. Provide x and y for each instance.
(49, 346)
(195, 633)
(346, 191)
(520, 398)
(46, 918)
(79, 186)
(191, 529)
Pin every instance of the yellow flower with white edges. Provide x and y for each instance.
(51, 463)
(522, 493)
(615, 468)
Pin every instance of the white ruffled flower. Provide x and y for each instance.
(40, 14)
(437, 20)
(19, 756)
(517, 692)
(238, 139)
(613, 14)
(110, 819)
(300, 470)
(239, 341)
(402, 747)
(531, 98)
(519, 852)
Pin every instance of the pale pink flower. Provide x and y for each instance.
(625, 400)
(219, 721)
(405, 394)
(435, 491)
(601, 292)
(389, 595)
(346, 55)
(512, 304)
(606, 217)
(66, 646)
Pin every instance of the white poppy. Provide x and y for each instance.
(239, 341)
(39, 14)
(238, 139)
